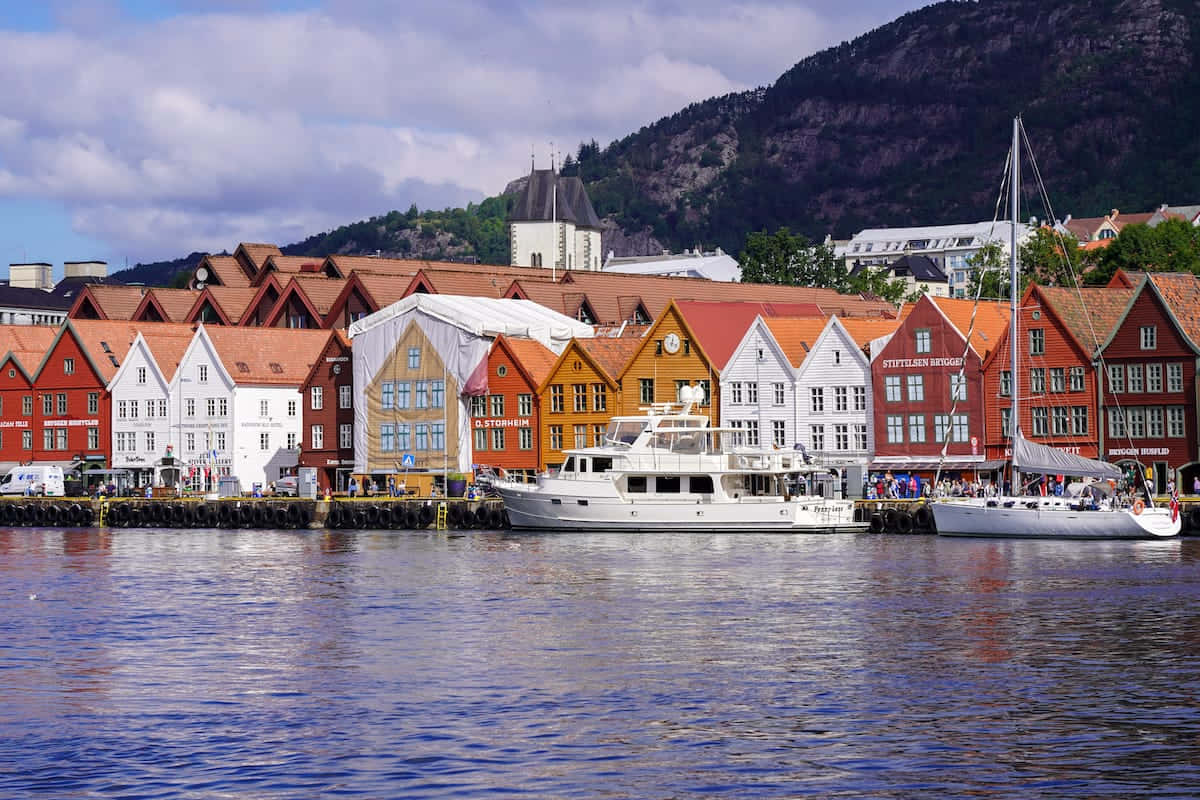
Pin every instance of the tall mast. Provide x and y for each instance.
(1013, 290)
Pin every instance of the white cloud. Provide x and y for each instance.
(201, 129)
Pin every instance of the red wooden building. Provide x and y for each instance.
(22, 348)
(505, 421)
(1150, 388)
(327, 439)
(927, 386)
(1059, 331)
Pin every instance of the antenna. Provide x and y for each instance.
(552, 155)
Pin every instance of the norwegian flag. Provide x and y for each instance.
(1175, 505)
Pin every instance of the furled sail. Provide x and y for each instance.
(1033, 457)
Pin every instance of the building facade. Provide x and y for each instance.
(505, 422)
(327, 432)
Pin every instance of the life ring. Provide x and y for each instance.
(1138, 506)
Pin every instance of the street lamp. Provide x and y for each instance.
(179, 440)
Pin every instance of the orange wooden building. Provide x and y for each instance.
(505, 421)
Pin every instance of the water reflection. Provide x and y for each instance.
(282, 664)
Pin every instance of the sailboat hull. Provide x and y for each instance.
(969, 518)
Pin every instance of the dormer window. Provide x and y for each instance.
(141, 374)
(1149, 337)
(202, 373)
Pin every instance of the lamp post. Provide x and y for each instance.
(179, 440)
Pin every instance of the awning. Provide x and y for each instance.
(906, 465)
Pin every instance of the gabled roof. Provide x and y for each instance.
(720, 327)
(610, 354)
(382, 289)
(320, 292)
(461, 282)
(918, 267)
(106, 342)
(172, 305)
(532, 358)
(262, 298)
(796, 336)
(26, 344)
(254, 255)
(69, 288)
(293, 265)
(1088, 314)
(548, 196)
(226, 269)
(991, 320)
(337, 342)
(113, 301)
(229, 302)
(267, 356)
(1181, 294)
(864, 330)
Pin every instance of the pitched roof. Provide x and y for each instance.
(535, 358)
(233, 300)
(720, 327)
(864, 330)
(257, 253)
(991, 320)
(796, 335)
(107, 342)
(28, 297)
(292, 265)
(282, 356)
(321, 291)
(383, 289)
(175, 303)
(115, 302)
(226, 269)
(168, 345)
(547, 196)
(611, 353)
(27, 343)
(1088, 314)
(1181, 291)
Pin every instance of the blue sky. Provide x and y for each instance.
(137, 130)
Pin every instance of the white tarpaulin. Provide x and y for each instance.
(460, 330)
(1033, 457)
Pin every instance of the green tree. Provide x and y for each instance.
(1051, 258)
(879, 282)
(790, 259)
(989, 266)
(1171, 246)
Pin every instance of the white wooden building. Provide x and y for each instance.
(758, 385)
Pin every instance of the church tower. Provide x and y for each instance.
(553, 224)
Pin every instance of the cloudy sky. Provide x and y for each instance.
(137, 130)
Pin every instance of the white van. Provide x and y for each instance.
(34, 479)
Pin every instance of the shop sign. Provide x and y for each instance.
(502, 422)
(70, 423)
(1139, 451)
(911, 363)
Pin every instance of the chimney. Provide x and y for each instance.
(85, 269)
(33, 275)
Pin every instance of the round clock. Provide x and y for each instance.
(337, 369)
(671, 343)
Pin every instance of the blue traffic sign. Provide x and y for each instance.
(408, 460)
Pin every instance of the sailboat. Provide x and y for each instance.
(1087, 510)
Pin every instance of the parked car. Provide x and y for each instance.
(288, 486)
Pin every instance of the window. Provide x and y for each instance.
(150, 408)
(860, 398)
(220, 445)
(1076, 379)
(841, 437)
(496, 403)
(222, 407)
(437, 436)
(580, 432)
(1040, 418)
(1133, 374)
(646, 390)
(1006, 422)
(916, 388)
(1058, 380)
(1116, 378)
(751, 426)
(387, 395)
(597, 435)
(1060, 420)
(479, 405)
(556, 397)
(752, 393)
(480, 439)
(841, 399)
(1037, 380)
(27, 405)
(317, 397)
(941, 428)
(149, 441)
(1116, 422)
(414, 358)
(556, 437)
(961, 428)
(524, 405)
(345, 393)
(497, 438)
(190, 441)
(202, 373)
(958, 386)
(402, 436)
(291, 441)
(93, 438)
(778, 432)
(817, 434)
(421, 394)
(61, 437)
(818, 398)
(895, 429)
(439, 393)
(387, 437)
(1149, 337)
(1005, 383)
(916, 428)
(735, 392)
(69, 369)
(421, 435)
(525, 438)
(599, 397)
(579, 396)
(120, 443)
(1135, 418)
(403, 391)
(1154, 422)
(1175, 377)
(133, 409)
(923, 340)
(778, 393)
(1037, 342)
(264, 441)
(345, 436)
(26, 440)
(122, 409)
(1176, 427)
(706, 388)
(264, 409)
(47, 405)
(212, 406)
(1154, 382)
(860, 436)
(891, 384)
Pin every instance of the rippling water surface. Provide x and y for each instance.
(293, 664)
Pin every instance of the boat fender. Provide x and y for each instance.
(1138, 506)
(923, 517)
(481, 517)
(876, 524)
(412, 519)
(904, 522)
(426, 515)
(399, 516)
(223, 514)
(334, 518)
(1194, 518)
(50, 515)
(293, 513)
(1034, 504)
(282, 520)
(889, 518)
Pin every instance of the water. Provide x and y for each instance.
(267, 664)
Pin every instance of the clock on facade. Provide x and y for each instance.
(671, 343)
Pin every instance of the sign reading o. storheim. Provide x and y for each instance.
(501, 422)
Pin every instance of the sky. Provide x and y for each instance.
(140, 130)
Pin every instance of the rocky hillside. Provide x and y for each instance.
(908, 124)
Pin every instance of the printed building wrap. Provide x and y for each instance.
(418, 362)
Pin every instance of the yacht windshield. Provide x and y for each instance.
(624, 431)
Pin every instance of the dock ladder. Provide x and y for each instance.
(441, 516)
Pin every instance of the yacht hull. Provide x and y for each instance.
(1018, 522)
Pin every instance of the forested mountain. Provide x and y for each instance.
(908, 124)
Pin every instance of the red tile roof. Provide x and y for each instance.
(796, 335)
(719, 327)
(260, 356)
(1181, 291)
(611, 353)
(114, 301)
(107, 342)
(991, 320)
(175, 303)
(535, 358)
(227, 270)
(233, 300)
(27, 343)
(1088, 314)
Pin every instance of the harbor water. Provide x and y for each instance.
(287, 664)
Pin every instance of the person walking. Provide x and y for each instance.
(353, 488)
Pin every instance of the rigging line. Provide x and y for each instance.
(948, 433)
